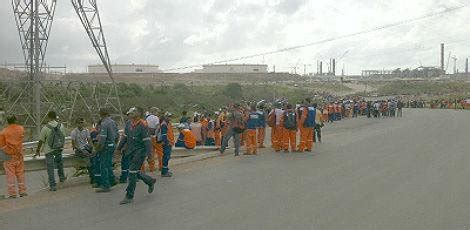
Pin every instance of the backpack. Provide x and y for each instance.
(310, 121)
(237, 122)
(290, 122)
(56, 140)
(272, 119)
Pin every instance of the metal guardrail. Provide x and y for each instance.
(70, 160)
(29, 147)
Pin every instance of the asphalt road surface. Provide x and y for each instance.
(401, 173)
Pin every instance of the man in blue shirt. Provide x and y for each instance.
(107, 139)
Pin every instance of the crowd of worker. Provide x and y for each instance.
(449, 104)
(147, 139)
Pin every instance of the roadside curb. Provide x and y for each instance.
(75, 181)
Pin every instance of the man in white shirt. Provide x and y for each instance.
(153, 121)
(81, 137)
(81, 144)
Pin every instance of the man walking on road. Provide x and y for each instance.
(137, 138)
(53, 134)
(235, 128)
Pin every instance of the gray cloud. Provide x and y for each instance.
(174, 33)
(290, 6)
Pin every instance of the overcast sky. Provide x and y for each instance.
(174, 33)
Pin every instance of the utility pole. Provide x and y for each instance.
(341, 86)
(329, 67)
(334, 67)
(442, 57)
(466, 65)
(454, 58)
(321, 68)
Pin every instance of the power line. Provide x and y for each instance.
(378, 28)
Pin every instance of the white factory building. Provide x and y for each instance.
(126, 68)
(233, 68)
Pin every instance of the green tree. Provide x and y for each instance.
(233, 91)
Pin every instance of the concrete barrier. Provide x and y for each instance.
(70, 160)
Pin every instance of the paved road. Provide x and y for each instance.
(408, 173)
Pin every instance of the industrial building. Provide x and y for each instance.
(126, 68)
(420, 72)
(233, 68)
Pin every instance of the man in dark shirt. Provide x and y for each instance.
(107, 139)
(137, 138)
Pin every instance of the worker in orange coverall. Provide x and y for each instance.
(289, 125)
(11, 143)
(306, 126)
(252, 124)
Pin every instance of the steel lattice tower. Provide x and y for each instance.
(34, 21)
(87, 11)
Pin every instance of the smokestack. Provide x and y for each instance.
(333, 69)
(442, 56)
(321, 68)
(329, 66)
(466, 65)
(274, 68)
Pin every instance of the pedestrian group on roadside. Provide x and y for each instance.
(147, 139)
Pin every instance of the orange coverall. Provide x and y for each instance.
(250, 135)
(277, 133)
(158, 153)
(218, 132)
(261, 134)
(306, 133)
(204, 124)
(158, 150)
(11, 141)
(189, 138)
